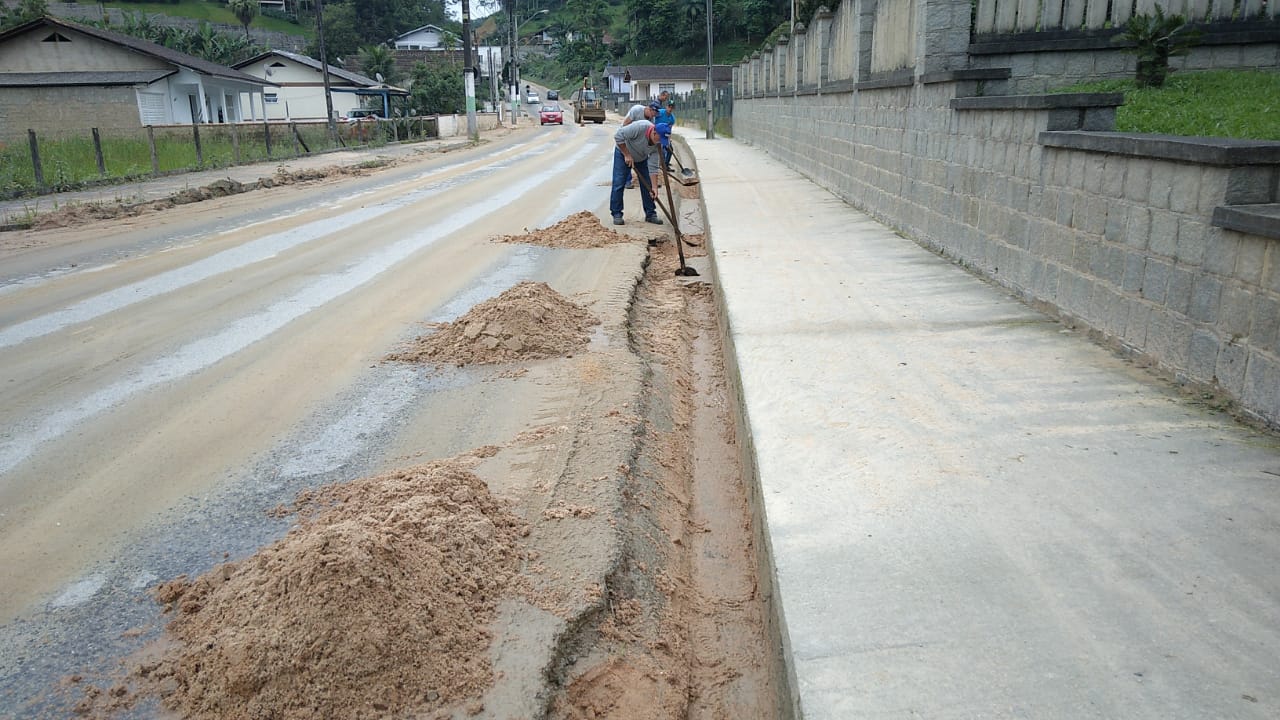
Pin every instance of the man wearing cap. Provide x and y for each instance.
(640, 112)
(633, 144)
(658, 163)
(646, 111)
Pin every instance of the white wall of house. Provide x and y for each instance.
(300, 95)
(651, 89)
(424, 38)
(47, 49)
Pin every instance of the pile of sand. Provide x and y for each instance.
(377, 604)
(528, 322)
(580, 230)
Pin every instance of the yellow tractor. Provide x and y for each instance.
(587, 104)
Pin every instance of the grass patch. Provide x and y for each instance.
(70, 163)
(212, 12)
(1241, 104)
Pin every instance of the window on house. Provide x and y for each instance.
(669, 88)
(697, 86)
(57, 37)
(270, 98)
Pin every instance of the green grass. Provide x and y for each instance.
(211, 12)
(1241, 104)
(70, 163)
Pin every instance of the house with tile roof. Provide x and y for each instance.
(60, 77)
(646, 82)
(299, 87)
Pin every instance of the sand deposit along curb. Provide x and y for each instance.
(600, 564)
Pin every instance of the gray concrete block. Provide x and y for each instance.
(1137, 182)
(1083, 251)
(1111, 63)
(1099, 119)
(1094, 173)
(1162, 174)
(1066, 209)
(1138, 233)
(1184, 189)
(1164, 233)
(1075, 169)
(1135, 328)
(1220, 252)
(1202, 356)
(1113, 169)
(1019, 195)
(1206, 299)
(1169, 339)
(1112, 264)
(1265, 331)
(1262, 386)
(1236, 311)
(1178, 291)
(1155, 278)
(1095, 214)
(1106, 310)
(1135, 271)
(1192, 241)
(1232, 362)
(1252, 254)
(1117, 222)
(1081, 293)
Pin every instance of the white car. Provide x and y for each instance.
(532, 98)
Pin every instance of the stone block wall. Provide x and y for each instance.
(1119, 240)
(67, 112)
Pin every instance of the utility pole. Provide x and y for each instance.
(324, 72)
(515, 82)
(468, 71)
(711, 86)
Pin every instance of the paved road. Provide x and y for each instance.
(168, 378)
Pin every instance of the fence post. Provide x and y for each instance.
(195, 132)
(301, 140)
(155, 158)
(97, 153)
(266, 134)
(35, 157)
(293, 130)
(235, 143)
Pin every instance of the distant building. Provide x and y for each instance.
(646, 82)
(63, 77)
(428, 37)
(299, 91)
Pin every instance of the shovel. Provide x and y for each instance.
(683, 270)
(687, 176)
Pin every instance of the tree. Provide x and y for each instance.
(1156, 38)
(437, 88)
(377, 59)
(245, 11)
(24, 11)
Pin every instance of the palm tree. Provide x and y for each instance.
(375, 59)
(245, 11)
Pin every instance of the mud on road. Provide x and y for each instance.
(601, 565)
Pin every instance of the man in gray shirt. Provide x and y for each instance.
(646, 111)
(633, 144)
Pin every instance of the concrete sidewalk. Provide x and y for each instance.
(971, 511)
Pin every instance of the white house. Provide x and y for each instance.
(646, 82)
(428, 37)
(57, 75)
(299, 91)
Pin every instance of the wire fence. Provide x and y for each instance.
(691, 109)
(46, 163)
